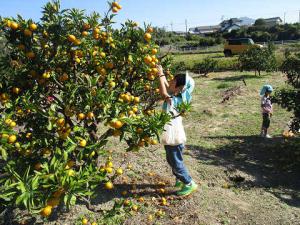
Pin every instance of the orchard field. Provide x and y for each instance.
(81, 119)
(244, 179)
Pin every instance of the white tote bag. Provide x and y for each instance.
(173, 133)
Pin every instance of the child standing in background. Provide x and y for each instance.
(267, 109)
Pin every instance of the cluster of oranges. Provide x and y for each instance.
(85, 221)
(116, 7)
(27, 31)
(73, 39)
(148, 35)
(288, 134)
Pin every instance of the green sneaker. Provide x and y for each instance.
(179, 184)
(187, 189)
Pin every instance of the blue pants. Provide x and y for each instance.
(175, 160)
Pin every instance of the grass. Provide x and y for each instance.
(224, 85)
(240, 116)
(191, 59)
(226, 63)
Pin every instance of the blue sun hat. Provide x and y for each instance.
(266, 88)
(188, 88)
(186, 93)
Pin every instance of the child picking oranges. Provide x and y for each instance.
(175, 92)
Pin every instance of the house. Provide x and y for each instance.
(226, 23)
(231, 28)
(224, 26)
(235, 24)
(205, 29)
(271, 22)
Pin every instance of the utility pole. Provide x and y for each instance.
(222, 18)
(299, 16)
(171, 26)
(186, 28)
(284, 18)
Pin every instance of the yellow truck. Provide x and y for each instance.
(238, 46)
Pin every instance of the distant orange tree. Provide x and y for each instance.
(258, 60)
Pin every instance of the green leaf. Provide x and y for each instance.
(73, 200)
(3, 153)
(65, 155)
(35, 183)
(50, 126)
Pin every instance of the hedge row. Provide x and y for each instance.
(223, 64)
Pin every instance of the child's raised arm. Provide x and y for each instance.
(163, 85)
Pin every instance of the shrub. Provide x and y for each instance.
(207, 66)
(289, 98)
(258, 59)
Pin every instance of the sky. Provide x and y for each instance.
(170, 14)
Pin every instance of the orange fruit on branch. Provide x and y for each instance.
(81, 116)
(119, 171)
(60, 122)
(84, 221)
(32, 26)
(14, 25)
(148, 59)
(115, 9)
(86, 26)
(147, 36)
(12, 138)
(117, 5)
(16, 90)
(150, 30)
(71, 38)
(27, 32)
(30, 55)
(90, 115)
(46, 211)
(38, 166)
(82, 143)
(84, 33)
(108, 185)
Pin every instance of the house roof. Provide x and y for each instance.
(272, 19)
(200, 28)
(232, 25)
(231, 21)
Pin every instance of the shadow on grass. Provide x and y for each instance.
(237, 78)
(274, 163)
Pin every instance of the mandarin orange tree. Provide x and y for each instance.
(67, 84)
